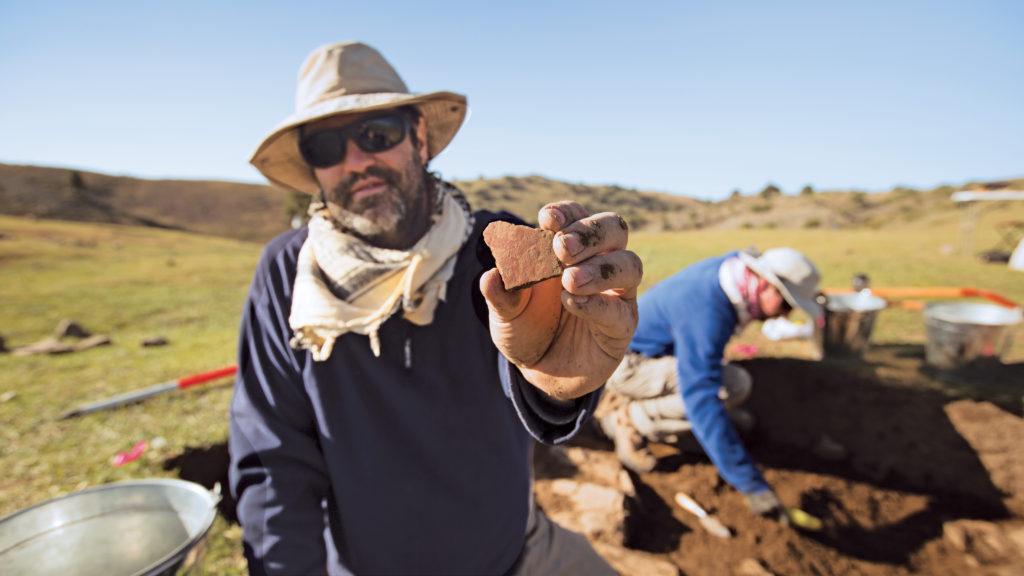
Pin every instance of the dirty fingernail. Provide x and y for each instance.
(581, 276)
(572, 244)
(558, 216)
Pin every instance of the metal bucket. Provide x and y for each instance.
(849, 319)
(141, 527)
(963, 334)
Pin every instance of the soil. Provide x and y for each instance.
(925, 475)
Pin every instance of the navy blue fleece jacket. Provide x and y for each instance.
(416, 462)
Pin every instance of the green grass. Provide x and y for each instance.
(129, 284)
(133, 283)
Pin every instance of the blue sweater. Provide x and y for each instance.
(417, 462)
(689, 316)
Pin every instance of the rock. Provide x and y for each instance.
(981, 540)
(594, 511)
(751, 567)
(956, 535)
(626, 484)
(523, 255)
(602, 468)
(154, 341)
(1015, 538)
(69, 328)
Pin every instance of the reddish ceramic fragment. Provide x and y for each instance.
(523, 254)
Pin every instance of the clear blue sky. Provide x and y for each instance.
(692, 98)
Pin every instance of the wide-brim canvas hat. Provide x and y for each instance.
(349, 78)
(792, 273)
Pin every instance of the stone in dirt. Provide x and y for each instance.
(751, 567)
(523, 254)
(154, 341)
(68, 328)
(984, 541)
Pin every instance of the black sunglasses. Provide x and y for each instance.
(327, 147)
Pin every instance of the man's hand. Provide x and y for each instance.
(567, 335)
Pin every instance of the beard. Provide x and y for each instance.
(401, 201)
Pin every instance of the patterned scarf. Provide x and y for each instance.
(740, 285)
(345, 285)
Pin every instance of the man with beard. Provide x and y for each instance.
(673, 380)
(389, 387)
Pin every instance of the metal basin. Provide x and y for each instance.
(136, 528)
(849, 320)
(964, 334)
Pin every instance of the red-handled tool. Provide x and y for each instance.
(179, 384)
(893, 295)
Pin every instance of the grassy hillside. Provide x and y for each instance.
(230, 209)
(525, 196)
(258, 212)
(659, 212)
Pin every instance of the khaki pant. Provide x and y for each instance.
(651, 387)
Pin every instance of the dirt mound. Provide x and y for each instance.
(925, 483)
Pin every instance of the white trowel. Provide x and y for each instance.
(708, 521)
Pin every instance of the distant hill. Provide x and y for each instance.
(245, 211)
(256, 212)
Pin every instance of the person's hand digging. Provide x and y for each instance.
(567, 335)
(766, 503)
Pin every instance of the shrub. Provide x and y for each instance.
(75, 180)
(296, 204)
(770, 191)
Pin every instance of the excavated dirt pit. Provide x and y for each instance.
(929, 478)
